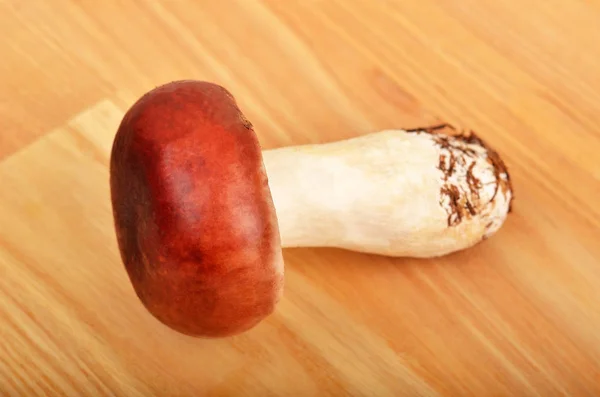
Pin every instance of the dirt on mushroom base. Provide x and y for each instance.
(460, 194)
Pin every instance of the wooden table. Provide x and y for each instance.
(517, 315)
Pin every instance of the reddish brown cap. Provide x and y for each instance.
(194, 218)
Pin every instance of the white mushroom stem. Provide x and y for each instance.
(417, 193)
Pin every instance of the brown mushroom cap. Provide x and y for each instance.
(194, 218)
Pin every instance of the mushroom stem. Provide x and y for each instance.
(410, 193)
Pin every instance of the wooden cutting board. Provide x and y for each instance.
(517, 315)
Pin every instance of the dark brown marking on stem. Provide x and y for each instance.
(456, 213)
(500, 169)
(473, 182)
(470, 207)
(442, 163)
(430, 129)
(454, 142)
(452, 164)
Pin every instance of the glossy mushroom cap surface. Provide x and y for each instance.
(194, 218)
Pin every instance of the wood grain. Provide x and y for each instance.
(515, 316)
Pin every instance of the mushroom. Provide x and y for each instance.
(202, 214)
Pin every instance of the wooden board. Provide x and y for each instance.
(517, 315)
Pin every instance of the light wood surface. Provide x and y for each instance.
(517, 315)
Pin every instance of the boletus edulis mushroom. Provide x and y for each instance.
(201, 213)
